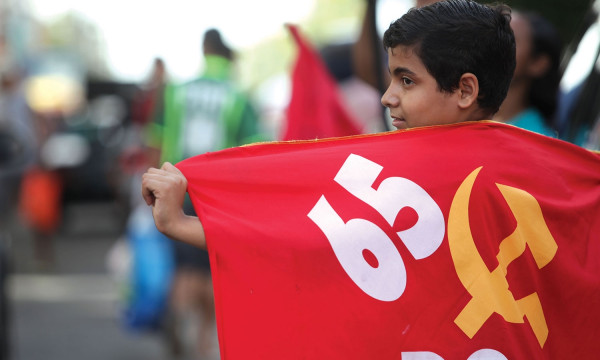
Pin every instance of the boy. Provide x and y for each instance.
(449, 62)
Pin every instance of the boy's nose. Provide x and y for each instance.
(389, 100)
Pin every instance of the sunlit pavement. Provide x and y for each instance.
(71, 309)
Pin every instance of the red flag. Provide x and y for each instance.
(467, 241)
(316, 109)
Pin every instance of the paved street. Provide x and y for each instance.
(70, 311)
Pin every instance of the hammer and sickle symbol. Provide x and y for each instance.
(489, 290)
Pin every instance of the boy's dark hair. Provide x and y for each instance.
(454, 37)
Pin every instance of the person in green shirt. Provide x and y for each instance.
(205, 114)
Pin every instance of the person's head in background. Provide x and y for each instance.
(213, 45)
(451, 61)
(536, 79)
(158, 73)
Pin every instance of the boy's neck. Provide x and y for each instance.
(477, 115)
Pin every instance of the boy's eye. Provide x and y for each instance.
(407, 81)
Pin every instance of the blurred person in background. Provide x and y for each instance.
(205, 114)
(144, 135)
(40, 204)
(148, 110)
(532, 98)
(17, 143)
(17, 151)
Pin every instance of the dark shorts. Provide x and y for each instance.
(189, 256)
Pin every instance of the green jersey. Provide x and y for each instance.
(207, 114)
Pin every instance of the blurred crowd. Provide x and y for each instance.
(65, 138)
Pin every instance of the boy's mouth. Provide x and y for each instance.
(398, 122)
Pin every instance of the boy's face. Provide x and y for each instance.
(413, 96)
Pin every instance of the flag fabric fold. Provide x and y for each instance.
(467, 241)
(316, 109)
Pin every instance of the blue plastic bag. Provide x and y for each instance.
(151, 272)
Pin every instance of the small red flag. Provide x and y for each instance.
(316, 109)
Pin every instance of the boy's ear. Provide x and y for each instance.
(468, 90)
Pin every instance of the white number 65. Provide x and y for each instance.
(387, 280)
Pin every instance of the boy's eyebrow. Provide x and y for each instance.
(401, 70)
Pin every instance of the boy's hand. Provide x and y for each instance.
(164, 189)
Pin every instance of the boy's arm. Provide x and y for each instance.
(164, 189)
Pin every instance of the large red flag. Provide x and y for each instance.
(466, 241)
(316, 109)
